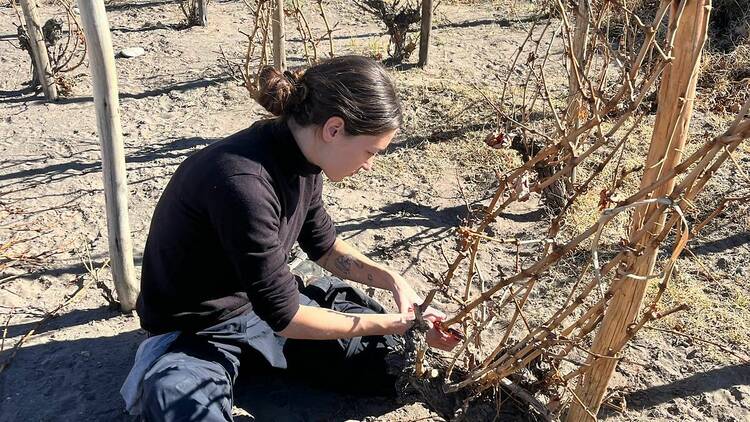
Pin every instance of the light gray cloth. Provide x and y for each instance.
(148, 352)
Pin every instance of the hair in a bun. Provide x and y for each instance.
(354, 88)
(279, 92)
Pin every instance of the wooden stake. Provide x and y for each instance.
(104, 78)
(578, 63)
(577, 67)
(676, 98)
(39, 50)
(279, 37)
(202, 12)
(424, 33)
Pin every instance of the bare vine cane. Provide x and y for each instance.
(610, 124)
(417, 334)
(413, 374)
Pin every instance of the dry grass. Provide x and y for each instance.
(719, 311)
(725, 79)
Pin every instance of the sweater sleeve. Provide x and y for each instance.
(318, 233)
(244, 210)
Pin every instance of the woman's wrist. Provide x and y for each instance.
(395, 281)
(406, 322)
(386, 324)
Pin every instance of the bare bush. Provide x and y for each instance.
(195, 12)
(65, 42)
(247, 68)
(256, 57)
(310, 42)
(548, 360)
(399, 17)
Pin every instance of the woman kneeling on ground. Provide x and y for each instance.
(216, 286)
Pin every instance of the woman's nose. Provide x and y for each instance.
(367, 166)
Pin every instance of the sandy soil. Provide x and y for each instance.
(177, 98)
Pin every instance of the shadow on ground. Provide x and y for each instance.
(68, 380)
(713, 380)
(148, 156)
(434, 224)
(501, 22)
(721, 245)
(274, 397)
(27, 95)
(72, 318)
(80, 380)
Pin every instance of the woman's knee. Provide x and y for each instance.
(184, 388)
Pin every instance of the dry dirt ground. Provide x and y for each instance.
(178, 98)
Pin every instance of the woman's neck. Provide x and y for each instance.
(304, 136)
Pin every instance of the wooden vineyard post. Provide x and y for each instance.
(202, 12)
(580, 44)
(39, 50)
(424, 33)
(279, 37)
(676, 100)
(577, 69)
(104, 78)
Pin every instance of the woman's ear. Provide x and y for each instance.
(333, 129)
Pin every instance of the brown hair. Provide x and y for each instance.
(355, 88)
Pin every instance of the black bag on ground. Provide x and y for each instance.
(354, 365)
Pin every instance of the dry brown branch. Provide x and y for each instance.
(612, 99)
(66, 49)
(722, 205)
(539, 339)
(303, 28)
(518, 311)
(669, 137)
(69, 57)
(329, 30)
(247, 70)
(529, 399)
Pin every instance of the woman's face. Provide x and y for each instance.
(344, 155)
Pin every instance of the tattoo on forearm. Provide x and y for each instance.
(370, 278)
(323, 261)
(344, 264)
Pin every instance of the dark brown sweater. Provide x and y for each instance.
(222, 231)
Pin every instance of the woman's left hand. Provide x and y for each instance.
(406, 297)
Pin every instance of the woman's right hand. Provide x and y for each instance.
(441, 339)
